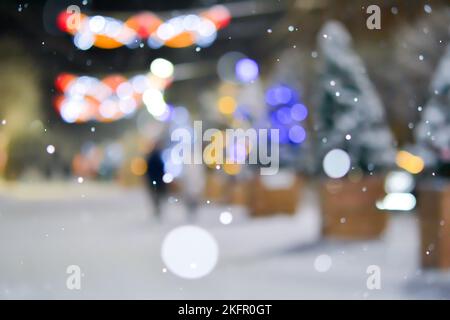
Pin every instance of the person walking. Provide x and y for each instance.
(155, 173)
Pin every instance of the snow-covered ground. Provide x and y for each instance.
(111, 234)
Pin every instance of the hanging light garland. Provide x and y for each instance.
(85, 98)
(178, 32)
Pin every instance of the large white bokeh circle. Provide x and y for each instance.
(336, 163)
(190, 252)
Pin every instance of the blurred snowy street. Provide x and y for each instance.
(111, 234)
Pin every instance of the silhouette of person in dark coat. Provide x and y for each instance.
(155, 173)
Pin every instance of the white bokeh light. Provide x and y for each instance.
(191, 22)
(125, 90)
(336, 163)
(140, 83)
(226, 217)
(50, 149)
(190, 252)
(71, 110)
(112, 27)
(84, 40)
(127, 106)
(108, 109)
(397, 202)
(165, 31)
(97, 24)
(154, 101)
(167, 178)
(399, 181)
(162, 68)
(323, 263)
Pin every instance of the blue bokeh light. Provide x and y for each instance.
(299, 112)
(247, 70)
(297, 134)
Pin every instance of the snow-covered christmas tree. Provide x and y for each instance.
(433, 131)
(350, 115)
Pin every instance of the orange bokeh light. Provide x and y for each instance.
(138, 166)
(409, 162)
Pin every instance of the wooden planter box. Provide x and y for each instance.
(223, 189)
(269, 197)
(349, 212)
(239, 193)
(260, 195)
(434, 218)
(215, 187)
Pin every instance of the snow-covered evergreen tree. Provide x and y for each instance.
(350, 115)
(416, 50)
(433, 131)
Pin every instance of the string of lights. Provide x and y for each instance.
(85, 98)
(177, 32)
